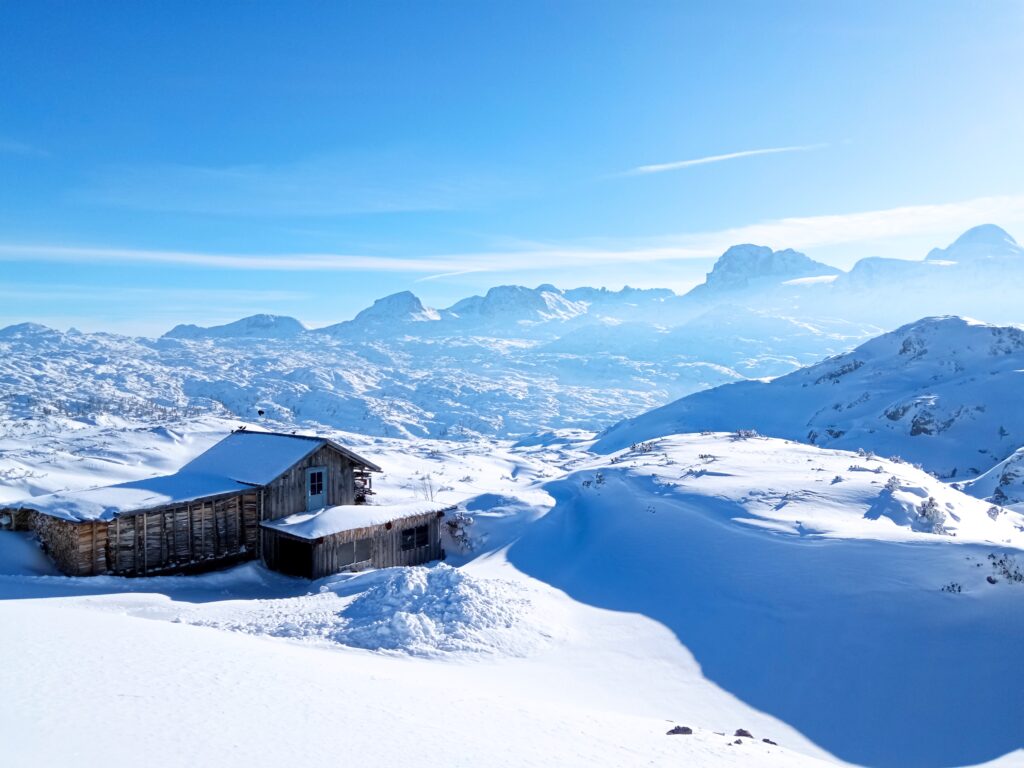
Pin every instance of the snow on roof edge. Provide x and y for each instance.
(312, 526)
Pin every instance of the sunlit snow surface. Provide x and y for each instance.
(711, 581)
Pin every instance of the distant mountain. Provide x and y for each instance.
(388, 314)
(983, 243)
(743, 267)
(943, 392)
(519, 304)
(254, 327)
(977, 260)
(27, 330)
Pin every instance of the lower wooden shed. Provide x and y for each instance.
(353, 537)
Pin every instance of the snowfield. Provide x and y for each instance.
(589, 604)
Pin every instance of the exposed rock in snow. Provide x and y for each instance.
(1003, 484)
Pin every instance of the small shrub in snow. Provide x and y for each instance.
(587, 483)
(837, 479)
(932, 514)
(744, 434)
(458, 525)
(708, 457)
(892, 484)
(869, 455)
(1005, 565)
(645, 447)
(994, 512)
(952, 587)
(598, 479)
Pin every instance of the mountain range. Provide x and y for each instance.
(518, 360)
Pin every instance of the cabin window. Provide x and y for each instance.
(362, 550)
(346, 554)
(316, 483)
(412, 538)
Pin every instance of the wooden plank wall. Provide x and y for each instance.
(201, 533)
(330, 554)
(77, 549)
(287, 494)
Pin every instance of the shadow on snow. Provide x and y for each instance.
(849, 641)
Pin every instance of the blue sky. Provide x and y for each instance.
(172, 162)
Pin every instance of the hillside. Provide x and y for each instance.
(940, 392)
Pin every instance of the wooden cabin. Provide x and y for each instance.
(339, 539)
(223, 507)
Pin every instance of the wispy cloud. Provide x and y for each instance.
(642, 170)
(321, 186)
(794, 232)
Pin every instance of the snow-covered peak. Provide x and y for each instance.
(27, 330)
(255, 326)
(986, 241)
(945, 338)
(398, 307)
(517, 302)
(744, 265)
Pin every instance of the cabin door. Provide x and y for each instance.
(316, 488)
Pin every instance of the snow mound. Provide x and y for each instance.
(422, 611)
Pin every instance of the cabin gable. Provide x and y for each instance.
(288, 494)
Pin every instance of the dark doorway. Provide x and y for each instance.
(295, 557)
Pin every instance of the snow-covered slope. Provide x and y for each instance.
(942, 392)
(1003, 484)
(804, 582)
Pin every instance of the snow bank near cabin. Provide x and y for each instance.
(426, 610)
(421, 611)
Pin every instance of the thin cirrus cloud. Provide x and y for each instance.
(321, 186)
(793, 232)
(643, 170)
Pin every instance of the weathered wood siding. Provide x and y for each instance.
(193, 536)
(345, 551)
(287, 494)
(77, 549)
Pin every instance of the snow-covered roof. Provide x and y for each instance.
(258, 458)
(331, 520)
(241, 460)
(107, 502)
